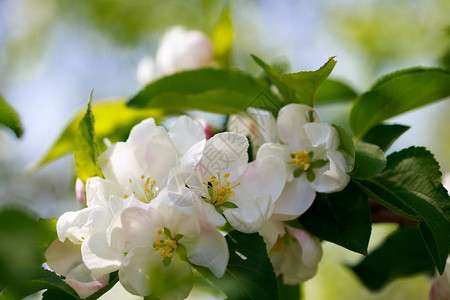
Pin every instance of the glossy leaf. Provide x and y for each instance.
(410, 185)
(397, 93)
(10, 118)
(384, 135)
(288, 292)
(113, 120)
(306, 83)
(342, 218)
(217, 91)
(369, 161)
(332, 91)
(86, 148)
(249, 274)
(402, 254)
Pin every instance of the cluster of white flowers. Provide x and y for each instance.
(166, 194)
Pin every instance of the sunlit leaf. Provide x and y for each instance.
(397, 93)
(217, 91)
(333, 90)
(10, 118)
(306, 83)
(113, 120)
(222, 38)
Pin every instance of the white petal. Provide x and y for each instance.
(263, 177)
(81, 281)
(280, 151)
(147, 70)
(185, 133)
(210, 250)
(271, 231)
(192, 157)
(78, 225)
(119, 164)
(98, 191)
(143, 273)
(311, 247)
(133, 227)
(290, 118)
(224, 153)
(251, 214)
(142, 132)
(266, 124)
(322, 135)
(295, 199)
(177, 221)
(63, 257)
(99, 257)
(335, 178)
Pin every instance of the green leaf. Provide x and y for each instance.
(384, 135)
(229, 205)
(402, 254)
(288, 292)
(113, 279)
(37, 279)
(342, 218)
(113, 120)
(346, 146)
(217, 91)
(249, 274)
(10, 118)
(274, 77)
(369, 161)
(222, 38)
(86, 148)
(332, 91)
(46, 235)
(397, 93)
(410, 185)
(306, 84)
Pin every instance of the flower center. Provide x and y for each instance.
(281, 244)
(165, 247)
(219, 190)
(301, 159)
(145, 189)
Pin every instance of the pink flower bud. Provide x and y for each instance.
(79, 192)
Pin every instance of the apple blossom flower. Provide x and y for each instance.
(65, 259)
(158, 241)
(314, 162)
(295, 255)
(141, 165)
(179, 50)
(228, 186)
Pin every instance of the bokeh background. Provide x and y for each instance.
(53, 52)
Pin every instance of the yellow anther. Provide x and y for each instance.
(142, 176)
(301, 159)
(125, 196)
(220, 191)
(280, 245)
(166, 248)
(226, 175)
(160, 231)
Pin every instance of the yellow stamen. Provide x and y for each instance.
(219, 192)
(301, 159)
(166, 248)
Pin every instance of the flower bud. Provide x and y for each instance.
(79, 192)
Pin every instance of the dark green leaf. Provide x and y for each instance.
(288, 292)
(274, 77)
(342, 218)
(222, 38)
(113, 120)
(306, 84)
(249, 274)
(402, 254)
(384, 135)
(217, 91)
(369, 161)
(229, 205)
(37, 279)
(333, 90)
(397, 93)
(55, 295)
(10, 118)
(86, 148)
(411, 186)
